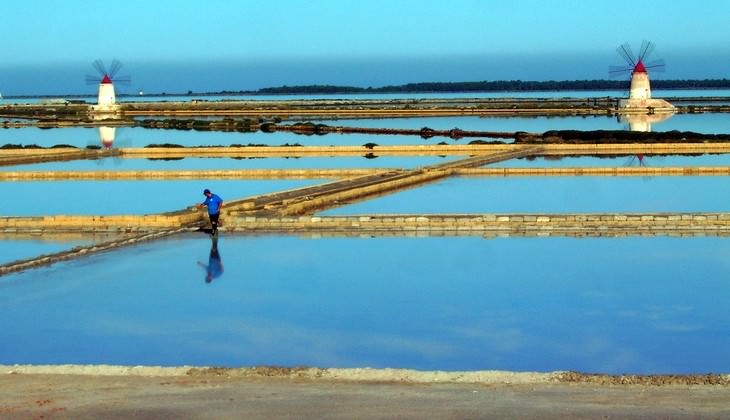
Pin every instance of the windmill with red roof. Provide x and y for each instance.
(640, 92)
(107, 97)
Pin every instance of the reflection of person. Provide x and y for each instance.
(214, 204)
(215, 266)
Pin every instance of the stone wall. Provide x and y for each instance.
(631, 222)
(112, 223)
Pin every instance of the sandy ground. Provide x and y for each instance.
(150, 393)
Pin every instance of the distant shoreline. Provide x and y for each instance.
(433, 87)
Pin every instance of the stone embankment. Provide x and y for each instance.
(586, 224)
(189, 174)
(76, 112)
(326, 174)
(537, 224)
(112, 223)
(84, 250)
(30, 155)
(291, 211)
(22, 156)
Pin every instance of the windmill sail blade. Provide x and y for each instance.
(628, 55)
(646, 49)
(656, 65)
(99, 66)
(111, 73)
(116, 65)
(122, 80)
(615, 71)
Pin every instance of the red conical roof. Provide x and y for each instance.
(639, 67)
(108, 81)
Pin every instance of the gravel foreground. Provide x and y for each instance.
(102, 391)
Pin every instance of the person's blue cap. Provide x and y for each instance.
(206, 191)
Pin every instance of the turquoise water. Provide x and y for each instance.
(559, 194)
(140, 137)
(127, 197)
(20, 249)
(628, 305)
(193, 163)
(613, 305)
(656, 161)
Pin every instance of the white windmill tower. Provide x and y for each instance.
(640, 99)
(107, 98)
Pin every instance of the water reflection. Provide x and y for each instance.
(643, 122)
(214, 268)
(107, 135)
(615, 305)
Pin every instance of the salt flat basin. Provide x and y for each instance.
(127, 197)
(216, 163)
(646, 160)
(700, 123)
(553, 194)
(713, 123)
(614, 305)
(12, 249)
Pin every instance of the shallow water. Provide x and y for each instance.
(20, 249)
(141, 137)
(620, 305)
(127, 197)
(646, 160)
(559, 194)
(194, 163)
(628, 305)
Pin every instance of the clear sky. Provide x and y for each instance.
(48, 46)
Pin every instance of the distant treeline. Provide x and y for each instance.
(443, 87)
(493, 86)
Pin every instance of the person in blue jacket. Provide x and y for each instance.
(214, 204)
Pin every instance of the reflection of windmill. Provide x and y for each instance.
(637, 160)
(638, 67)
(106, 79)
(643, 122)
(643, 160)
(107, 137)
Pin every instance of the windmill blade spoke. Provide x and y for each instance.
(628, 55)
(99, 66)
(116, 65)
(615, 71)
(656, 65)
(92, 79)
(646, 49)
(122, 80)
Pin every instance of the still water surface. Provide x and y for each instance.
(19, 249)
(626, 305)
(646, 160)
(559, 194)
(141, 137)
(220, 163)
(37, 198)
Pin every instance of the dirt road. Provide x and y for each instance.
(210, 393)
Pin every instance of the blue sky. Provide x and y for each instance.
(175, 46)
